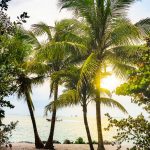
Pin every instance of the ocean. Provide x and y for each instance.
(69, 128)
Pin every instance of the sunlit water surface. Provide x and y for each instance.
(69, 128)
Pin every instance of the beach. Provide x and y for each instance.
(28, 146)
(70, 128)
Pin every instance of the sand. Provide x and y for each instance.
(27, 146)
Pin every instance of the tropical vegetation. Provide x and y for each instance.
(76, 54)
(137, 86)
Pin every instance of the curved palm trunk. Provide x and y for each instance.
(38, 142)
(87, 126)
(99, 127)
(49, 143)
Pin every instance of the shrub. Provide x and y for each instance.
(56, 142)
(6, 132)
(136, 130)
(79, 141)
(67, 142)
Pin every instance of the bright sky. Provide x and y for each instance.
(47, 11)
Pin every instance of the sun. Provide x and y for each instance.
(110, 82)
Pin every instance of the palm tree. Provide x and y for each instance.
(65, 45)
(20, 50)
(110, 30)
(24, 90)
(76, 94)
(71, 97)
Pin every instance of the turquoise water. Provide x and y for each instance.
(70, 128)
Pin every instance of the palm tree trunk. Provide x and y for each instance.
(0, 121)
(87, 126)
(99, 127)
(38, 142)
(49, 143)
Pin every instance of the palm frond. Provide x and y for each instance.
(121, 69)
(68, 98)
(144, 26)
(37, 80)
(128, 53)
(90, 65)
(24, 90)
(124, 32)
(120, 7)
(111, 103)
(34, 40)
(105, 91)
(72, 30)
(42, 28)
(69, 77)
(36, 66)
(58, 50)
(88, 70)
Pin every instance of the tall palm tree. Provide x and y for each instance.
(76, 94)
(25, 83)
(65, 45)
(109, 30)
(70, 78)
(20, 50)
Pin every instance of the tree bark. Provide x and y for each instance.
(87, 126)
(49, 143)
(99, 126)
(38, 142)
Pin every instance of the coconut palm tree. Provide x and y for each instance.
(110, 30)
(64, 46)
(80, 95)
(20, 49)
(25, 83)
(70, 78)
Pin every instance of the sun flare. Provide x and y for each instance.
(110, 83)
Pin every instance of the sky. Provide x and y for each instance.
(48, 12)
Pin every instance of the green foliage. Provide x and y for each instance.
(74, 95)
(111, 103)
(138, 87)
(79, 141)
(8, 74)
(4, 4)
(68, 98)
(6, 132)
(138, 83)
(8, 86)
(144, 26)
(67, 142)
(4, 103)
(10, 55)
(135, 130)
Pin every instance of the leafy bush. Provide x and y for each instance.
(79, 141)
(138, 83)
(6, 132)
(56, 142)
(95, 142)
(136, 130)
(67, 142)
(108, 143)
(7, 71)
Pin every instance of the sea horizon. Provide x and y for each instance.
(69, 128)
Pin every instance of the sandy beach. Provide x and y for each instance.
(27, 146)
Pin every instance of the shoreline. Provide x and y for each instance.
(30, 146)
